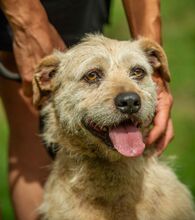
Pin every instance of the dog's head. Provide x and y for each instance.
(101, 93)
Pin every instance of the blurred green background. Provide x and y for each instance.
(179, 42)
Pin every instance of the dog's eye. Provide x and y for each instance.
(138, 73)
(93, 76)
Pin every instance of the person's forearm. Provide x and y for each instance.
(23, 13)
(144, 18)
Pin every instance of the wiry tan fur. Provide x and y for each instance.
(89, 180)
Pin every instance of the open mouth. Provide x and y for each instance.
(124, 137)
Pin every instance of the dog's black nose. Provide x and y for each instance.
(128, 102)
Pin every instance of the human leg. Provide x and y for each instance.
(27, 157)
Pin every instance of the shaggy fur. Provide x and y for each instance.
(90, 180)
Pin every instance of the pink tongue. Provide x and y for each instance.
(127, 140)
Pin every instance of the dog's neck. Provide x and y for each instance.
(99, 180)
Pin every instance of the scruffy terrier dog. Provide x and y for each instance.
(98, 99)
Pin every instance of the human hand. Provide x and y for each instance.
(30, 45)
(162, 132)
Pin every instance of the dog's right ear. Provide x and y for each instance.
(43, 79)
(156, 57)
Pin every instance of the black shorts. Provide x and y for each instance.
(71, 18)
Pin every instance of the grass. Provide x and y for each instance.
(4, 193)
(179, 42)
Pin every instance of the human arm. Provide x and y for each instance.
(144, 20)
(33, 36)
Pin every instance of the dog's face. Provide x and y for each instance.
(102, 92)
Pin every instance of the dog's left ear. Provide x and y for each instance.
(156, 57)
(43, 79)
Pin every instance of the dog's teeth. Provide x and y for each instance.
(138, 125)
(94, 125)
(90, 123)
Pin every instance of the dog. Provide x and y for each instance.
(98, 101)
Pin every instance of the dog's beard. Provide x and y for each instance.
(125, 137)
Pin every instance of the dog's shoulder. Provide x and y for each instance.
(163, 191)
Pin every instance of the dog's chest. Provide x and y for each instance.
(105, 181)
(105, 191)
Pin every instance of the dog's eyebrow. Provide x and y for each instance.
(131, 59)
(94, 62)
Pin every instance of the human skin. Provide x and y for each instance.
(27, 158)
(30, 26)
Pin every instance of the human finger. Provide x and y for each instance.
(166, 139)
(160, 125)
